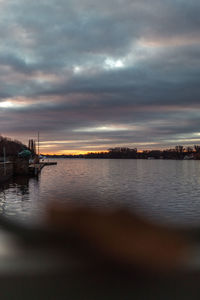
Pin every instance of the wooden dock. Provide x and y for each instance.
(35, 169)
(50, 163)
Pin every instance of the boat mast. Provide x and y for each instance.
(4, 159)
(38, 143)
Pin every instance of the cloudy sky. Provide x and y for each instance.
(90, 75)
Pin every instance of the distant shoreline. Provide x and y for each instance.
(77, 157)
(179, 153)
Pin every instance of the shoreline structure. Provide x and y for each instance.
(19, 159)
(21, 167)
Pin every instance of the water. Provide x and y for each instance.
(165, 190)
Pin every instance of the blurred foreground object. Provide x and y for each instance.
(122, 237)
(37, 263)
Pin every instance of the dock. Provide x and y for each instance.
(35, 169)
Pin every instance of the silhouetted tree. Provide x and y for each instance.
(12, 147)
(179, 150)
(197, 148)
(189, 150)
(122, 152)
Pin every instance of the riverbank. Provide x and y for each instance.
(6, 171)
(21, 167)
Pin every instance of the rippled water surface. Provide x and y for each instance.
(166, 190)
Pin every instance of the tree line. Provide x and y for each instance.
(179, 152)
(11, 147)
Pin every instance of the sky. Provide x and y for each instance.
(90, 75)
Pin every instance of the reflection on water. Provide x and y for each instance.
(19, 198)
(168, 191)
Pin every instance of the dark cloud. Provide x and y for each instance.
(100, 72)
